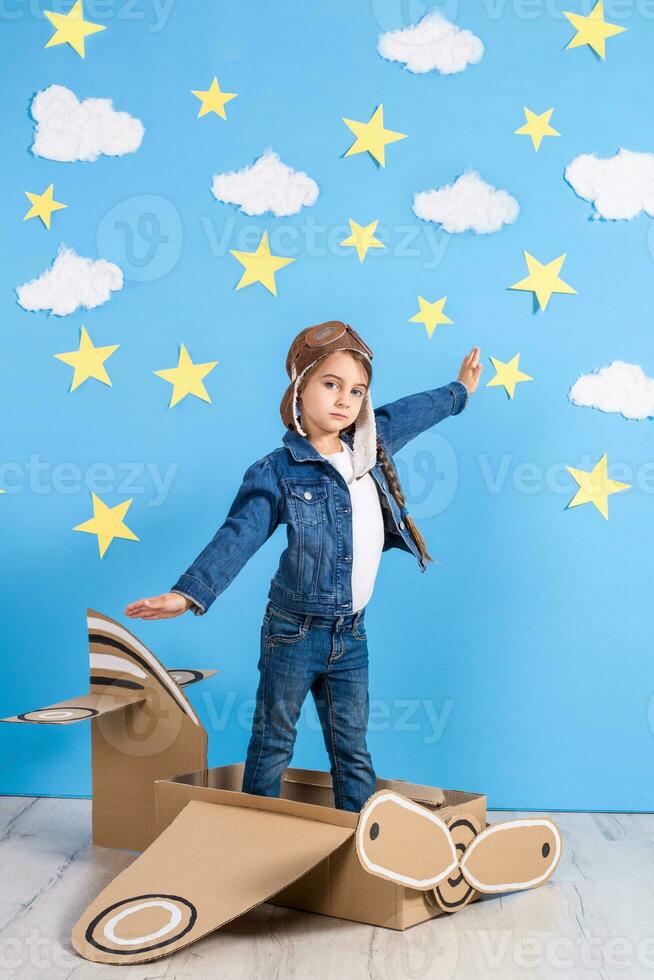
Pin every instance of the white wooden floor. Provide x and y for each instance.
(595, 918)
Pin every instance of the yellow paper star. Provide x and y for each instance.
(213, 100)
(508, 374)
(71, 28)
(593, 29)
(431, 314)
(43, 205)
(88, 361)
(107, 523)
(595, 487)
(260, 265)
(537, 126)
(371, 137)
(362, 238)
(186, 378)
(543, 279)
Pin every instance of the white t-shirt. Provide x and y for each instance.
(367, 527)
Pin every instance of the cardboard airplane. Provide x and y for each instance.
(143, 728)
(212, 852)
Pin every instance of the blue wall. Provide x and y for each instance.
(521, 665)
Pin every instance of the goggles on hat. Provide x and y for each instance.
(324, 334)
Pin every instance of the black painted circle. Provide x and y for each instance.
(545, 849)
(83, 713)
(374, 831)
(193, 675)
(144, 949)
(448, 891)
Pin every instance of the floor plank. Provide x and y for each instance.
(594, 919)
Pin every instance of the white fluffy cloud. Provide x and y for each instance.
(620, 186)
(620, 387)
(468, 203)
(69, 129)
(268, 185)
(433, 44)
(72, 281)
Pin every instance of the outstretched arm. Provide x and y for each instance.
(251, 519)
(400, 421)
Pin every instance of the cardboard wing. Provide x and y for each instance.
(77, 709)
(210, 865)
(143, 728)
(404, 842)
(185, 676)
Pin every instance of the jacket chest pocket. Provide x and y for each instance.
(308, 503)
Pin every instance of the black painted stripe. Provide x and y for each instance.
(117, 645)
(117, 682)
(90, 929)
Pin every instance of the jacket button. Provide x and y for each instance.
(307, 495)
(402, 525)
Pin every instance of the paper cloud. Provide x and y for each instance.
(468, 203)
(620, 387)
(71, 282)
(69, 129)
(268, 185)
(433, 44)
(620, 186)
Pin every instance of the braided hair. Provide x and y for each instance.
(385, 463)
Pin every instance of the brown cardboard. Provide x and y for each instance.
(143, 728)
(77, 709)
(291, 850)
(402, 841)
(339, 886)
(185, 676)
(212, 864)
(453, 894)
(211, 852)
(513, 855)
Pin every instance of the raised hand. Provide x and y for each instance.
(471, 369)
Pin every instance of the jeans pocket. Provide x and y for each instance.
(359, 629)
(283, 630)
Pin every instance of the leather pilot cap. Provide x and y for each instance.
(309, 347)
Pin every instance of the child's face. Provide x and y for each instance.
(337, 387)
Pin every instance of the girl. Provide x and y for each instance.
(334, 485)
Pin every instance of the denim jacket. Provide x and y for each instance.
(296, 486)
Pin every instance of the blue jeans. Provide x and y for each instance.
(327, 655)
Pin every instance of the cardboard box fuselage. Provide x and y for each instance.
(338, 886)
